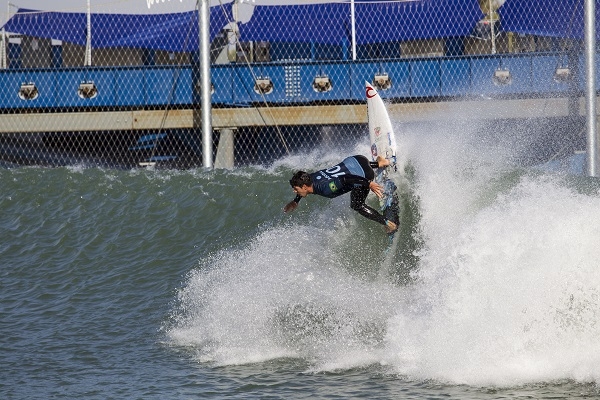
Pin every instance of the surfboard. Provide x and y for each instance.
(383, 142)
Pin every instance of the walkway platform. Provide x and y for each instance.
(282, 116)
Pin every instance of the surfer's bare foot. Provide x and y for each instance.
(382, 162)
(390, 226)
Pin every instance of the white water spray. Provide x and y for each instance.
(505, 293)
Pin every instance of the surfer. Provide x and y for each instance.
(354, 174)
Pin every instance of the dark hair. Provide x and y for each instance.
(300, 178)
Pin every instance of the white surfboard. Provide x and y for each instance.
(381, 133)
(383, 142)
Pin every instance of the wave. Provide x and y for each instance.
(498, 287)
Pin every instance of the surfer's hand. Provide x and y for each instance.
(382, 162)
(291, 206)
(377, 189)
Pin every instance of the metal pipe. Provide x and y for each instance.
(4, 44)
(3, 50)
(205, 81)
(491, 15)
(88, 41)
(353, 18)
(590, 88)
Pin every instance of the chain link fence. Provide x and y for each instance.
(117, 83)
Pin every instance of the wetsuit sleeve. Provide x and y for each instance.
(297, 199)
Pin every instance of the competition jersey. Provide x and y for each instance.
(339, 179)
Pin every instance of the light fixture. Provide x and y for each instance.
(87, 90)
(28, 91)
(502, 77)
(322, 84)
(382, 81)
(562, 74)
(263, 85)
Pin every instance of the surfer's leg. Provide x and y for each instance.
(357, 203)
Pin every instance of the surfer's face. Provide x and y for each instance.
(301, 190)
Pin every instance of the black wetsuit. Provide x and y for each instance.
(353, 174)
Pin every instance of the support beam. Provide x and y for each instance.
(225, 152)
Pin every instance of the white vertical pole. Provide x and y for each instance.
(590, 88)
(3, 50)
(353, 18)
(88, 42)
(205, 80)
(493, 30)
(4, 44)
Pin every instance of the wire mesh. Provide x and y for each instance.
(286, 76)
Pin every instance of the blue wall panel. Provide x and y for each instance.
(10, 83)
(129, 87)
(283, 91)
(45, 82)
(222, 82)
(9, 88)
(67, 84)
(532, 74)
(159, 82)
(183, 91)
(455, 75)
(339, 76)
(483, 69)
(425, 78)
(542, 75)
(520, 69)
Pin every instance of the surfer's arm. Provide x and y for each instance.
(291, 206)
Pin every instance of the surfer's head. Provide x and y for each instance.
(301, 183)
(300, 179)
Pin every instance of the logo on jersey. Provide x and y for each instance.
(332, 187)
(371, 92)
(377, 131)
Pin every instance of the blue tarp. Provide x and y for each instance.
(174, 32)
(328, 23)
(554, 18)
(384, 22)
(319, 23)
(376, 22)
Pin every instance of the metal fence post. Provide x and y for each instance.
(205, 81)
